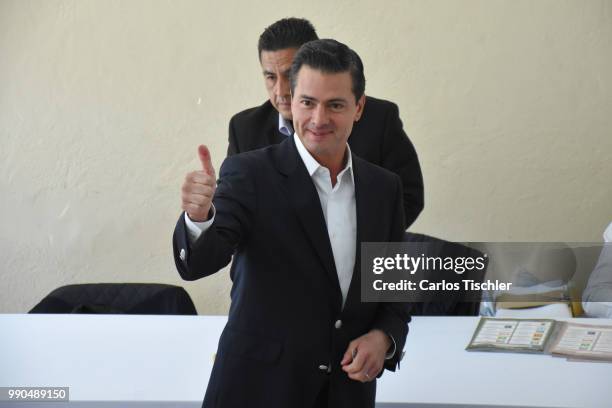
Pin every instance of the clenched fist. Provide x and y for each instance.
(199, 188)
(365, 356)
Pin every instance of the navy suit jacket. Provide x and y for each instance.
(286, 300)
(377, 137)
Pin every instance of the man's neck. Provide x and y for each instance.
(335, 166)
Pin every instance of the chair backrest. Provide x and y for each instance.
(457, 303)
(118, 298)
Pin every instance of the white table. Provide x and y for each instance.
(438, 370)
(166, 361)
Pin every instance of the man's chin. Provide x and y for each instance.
(315, 147)
(284, 110)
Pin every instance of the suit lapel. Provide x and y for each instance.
(305, 201)
(366, 206)
(365, 202)
(275, 136)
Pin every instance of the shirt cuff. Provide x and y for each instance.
(391, 353)
(195, 229)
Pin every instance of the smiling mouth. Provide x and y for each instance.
(319, 134)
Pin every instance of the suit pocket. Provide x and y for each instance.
(251, 346)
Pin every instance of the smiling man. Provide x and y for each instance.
(377, 136)
(293, 216)
(325, 110)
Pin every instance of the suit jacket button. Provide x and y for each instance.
(338, 324)
(323, 367)
(182, 254)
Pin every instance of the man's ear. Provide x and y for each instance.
(360, 105)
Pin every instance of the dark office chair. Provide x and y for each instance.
(456, 303)
(118, 298)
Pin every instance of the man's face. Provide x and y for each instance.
(276, 66)
(324, 111)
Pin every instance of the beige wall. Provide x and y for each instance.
(103, 103)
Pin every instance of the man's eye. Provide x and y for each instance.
(337, 106)
(306, 102)
(270, 77)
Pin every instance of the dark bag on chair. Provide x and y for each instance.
(118, 298)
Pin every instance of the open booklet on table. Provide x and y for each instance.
(547, 336)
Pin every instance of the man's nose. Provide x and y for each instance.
(281, 88)
(319, 115)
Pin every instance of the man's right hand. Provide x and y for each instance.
(199, 188)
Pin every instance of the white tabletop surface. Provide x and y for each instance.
(169, 358)
(438, 370)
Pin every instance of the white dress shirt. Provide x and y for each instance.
(339, 211)
(285, 126)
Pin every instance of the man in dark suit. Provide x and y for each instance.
(377, 137)
(293, 216)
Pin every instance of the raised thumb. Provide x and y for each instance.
(206, 160)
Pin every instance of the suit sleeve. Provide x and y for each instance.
(232, 147)
(234, 202)
(393, 317)
(400, 157)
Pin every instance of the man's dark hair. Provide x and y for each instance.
(330, 56)
(286, 33)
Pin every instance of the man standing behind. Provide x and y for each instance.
(377, 137)
(293, 216)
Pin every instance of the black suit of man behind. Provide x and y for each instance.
(287, 330)
(377, 137)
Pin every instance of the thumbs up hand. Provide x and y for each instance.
(199, 188)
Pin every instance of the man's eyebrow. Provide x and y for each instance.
(266, 72)
(335, 100)
(308, 98)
